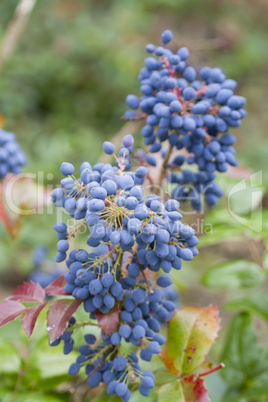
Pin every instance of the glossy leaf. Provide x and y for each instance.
(240, 354)
(256, 304)
(58, 316)
(108, 322)
(30, 317)
(28, 292)
(191, 333)
(234, 275)
(56, 287)
(10, 310)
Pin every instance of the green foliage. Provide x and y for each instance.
(246, 370)
(233, 275)
(256, 304)
(36, 367)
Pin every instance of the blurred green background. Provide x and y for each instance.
(63, 92)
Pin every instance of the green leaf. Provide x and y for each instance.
(246, 369)
(172, 391)
(234, 275)
(191, 333)
(256, 304)
(50, 362)
(187, 389)
(241, 352)
(9, 357)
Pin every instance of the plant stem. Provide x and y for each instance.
(15, 29)
(158, 184)
(142, 272)
(212, 370)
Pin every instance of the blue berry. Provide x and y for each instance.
(108, 148)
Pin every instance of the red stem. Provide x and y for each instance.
(212, 370)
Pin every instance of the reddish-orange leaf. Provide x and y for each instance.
(194, 389)
(10, 310)
(30, 317)
(28, 292)
(56, 288)
(191, 333)
(187, 389)
(20, 196)
(12, 225)
(58, 316)
(108, 322)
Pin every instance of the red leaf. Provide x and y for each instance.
(194, 389)
(56, 288)
(108, 322)
(58, 316)
(10, 310)
(20, 196)
(28, 292)
(30, 317)
(12, 225)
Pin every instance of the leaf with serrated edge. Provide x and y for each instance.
(10, 310)
(56, 287)
(194, 389)
(191, 333)
(30, 317)
(188, 389)
(58, 316)
(28, 292)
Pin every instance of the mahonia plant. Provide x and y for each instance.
(129, 233)
(193, 114)
(135, 238)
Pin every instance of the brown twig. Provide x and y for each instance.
(158, 185)
(142, 272)
(15, 29)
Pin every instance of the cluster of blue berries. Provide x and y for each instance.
(190, 113)
(129, 234)
(66, 338)
(116, 373)
(11, 156)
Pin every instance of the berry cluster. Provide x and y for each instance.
(66, 337)
(116, 373)
(11, 156)
(190, 113)
(128, 236)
